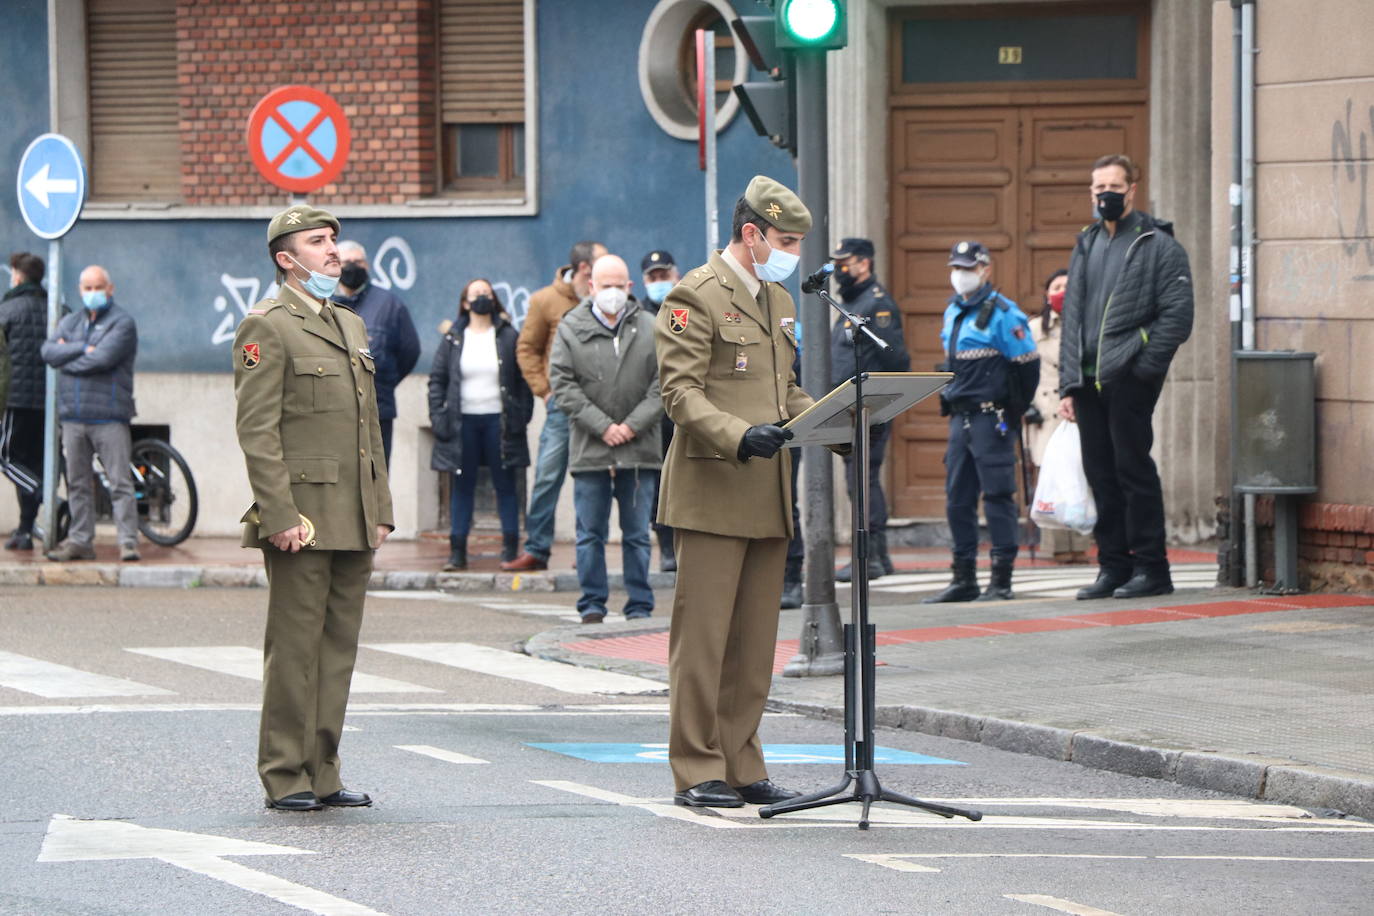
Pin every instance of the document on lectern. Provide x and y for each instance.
(830, 421)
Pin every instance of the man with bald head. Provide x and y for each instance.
(604, 375)
(93, 351)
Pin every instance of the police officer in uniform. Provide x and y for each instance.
(308, 425)
(989, 348)
(726, 339)
(865, 297)
(660, 275)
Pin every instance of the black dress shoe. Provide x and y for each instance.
(764, 792)
(1145, 584)
(298, 801)
(711, 794)
(19, 540)
(347, 798)
(1107, 583)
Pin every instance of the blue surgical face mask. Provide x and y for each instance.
(95, 300)
(321, 286)
(778, 267)
(659, 289)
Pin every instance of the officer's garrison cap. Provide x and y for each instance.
(778, 205)
(298, 218)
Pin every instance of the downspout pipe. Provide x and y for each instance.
(1247, 253)
(1235, 567)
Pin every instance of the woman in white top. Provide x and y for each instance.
(479, 407)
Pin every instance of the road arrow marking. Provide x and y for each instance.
(1058, 903)
(438, 753)
(40, 185)
(72, 840)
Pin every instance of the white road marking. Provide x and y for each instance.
(246, 662)
(500, 663)
(48, 679)
(374, 709)
(894, 861)
(439, 753)
(413, 594)
(703, 816)
(72, 840)
(1040, 581)
(1057, 903)
(901, 861)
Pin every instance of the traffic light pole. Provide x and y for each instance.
(822, 642)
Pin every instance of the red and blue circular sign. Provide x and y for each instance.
(299, 138)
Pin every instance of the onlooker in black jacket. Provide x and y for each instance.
(24, 324)
(390, 333)
(93, 350)
(1128, 308)
(479, 407)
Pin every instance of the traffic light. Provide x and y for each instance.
(811, 24)
(769, 105)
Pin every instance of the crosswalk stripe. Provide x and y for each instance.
(500, 663)
(246, 662)
(438, 753)
(48, 679)
(1046, 582)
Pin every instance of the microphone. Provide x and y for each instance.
(817, 279)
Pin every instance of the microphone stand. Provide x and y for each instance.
(860, 636)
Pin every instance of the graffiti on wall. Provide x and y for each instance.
(1351, 142)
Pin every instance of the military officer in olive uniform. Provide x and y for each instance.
(308, 426)
(726, 339)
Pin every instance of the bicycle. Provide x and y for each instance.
(164, 491)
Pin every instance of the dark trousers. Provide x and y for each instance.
(482, 445)
(21, 458)
(386, 439)
(981, 459)
(878, 436)
(796, 547)
(1115, 426)
(665, 532)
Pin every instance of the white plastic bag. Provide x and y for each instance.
(1062, 497)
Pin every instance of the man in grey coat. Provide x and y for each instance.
(93, 350)
(604, 375)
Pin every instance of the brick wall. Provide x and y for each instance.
(375, 57)
(1335, 545)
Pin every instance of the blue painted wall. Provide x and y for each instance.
(606, 170)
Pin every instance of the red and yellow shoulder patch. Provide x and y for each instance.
(251, 355)
(677, 320)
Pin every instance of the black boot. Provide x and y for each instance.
(792, 585)
(875, 566)
(667, 559)
(457, 554)
(999, 588)
(510, 547)
(877, 547)
(963, 588)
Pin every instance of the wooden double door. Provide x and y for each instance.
(1014, 177)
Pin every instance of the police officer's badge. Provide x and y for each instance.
(883, 318)
(251, 356)
(677, 320)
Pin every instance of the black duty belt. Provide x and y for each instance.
(969, 405)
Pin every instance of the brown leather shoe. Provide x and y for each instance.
(526, 562)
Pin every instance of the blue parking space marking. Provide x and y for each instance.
(772, 753)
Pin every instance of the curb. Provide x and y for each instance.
(1270, 779)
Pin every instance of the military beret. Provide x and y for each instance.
(298, 218)
(853, 248)
(969, 254)
(656, 259)
(777, 204)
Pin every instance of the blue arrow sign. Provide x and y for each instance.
(51, 185)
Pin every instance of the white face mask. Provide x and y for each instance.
(611, 300)
(964, 281)
(779, 265)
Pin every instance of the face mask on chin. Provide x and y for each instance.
(778, 267)
(964, 281)
(319, 285)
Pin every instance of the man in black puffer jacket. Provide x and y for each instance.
(1128, 308)
(24, 324)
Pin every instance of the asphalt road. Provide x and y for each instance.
(146, 801)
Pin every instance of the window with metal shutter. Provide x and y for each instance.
(135, 144)
(482, 93)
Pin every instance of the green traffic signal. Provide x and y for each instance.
(811, 24)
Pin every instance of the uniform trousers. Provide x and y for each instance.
(878, 436)
(1115, 426)
(720, 655)
(981, 459)
(80, 441)
(314, 612)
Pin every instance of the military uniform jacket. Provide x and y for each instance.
(724, 365)
(307, 424)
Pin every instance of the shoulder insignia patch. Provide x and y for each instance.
(677, 320)
(1019, 332)
(251, 355)
(883, 318)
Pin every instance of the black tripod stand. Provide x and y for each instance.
(860, 651)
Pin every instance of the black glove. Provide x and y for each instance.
(1033, 416)
(762, 441)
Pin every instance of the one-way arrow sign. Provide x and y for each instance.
(40, 185)
(51, 185)
(73, 840)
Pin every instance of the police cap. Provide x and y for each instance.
(298, 218)
(969, 254)
(852, 248)
(778, 205)
(656, 259)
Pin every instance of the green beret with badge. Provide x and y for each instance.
(777, 204)
(298, 218)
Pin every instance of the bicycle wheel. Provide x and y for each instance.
(165, 491)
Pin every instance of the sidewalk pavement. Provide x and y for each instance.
(1223, 689)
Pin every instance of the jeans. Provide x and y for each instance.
(111, 441)
(633, 491)
(549, 471)
(482, 445)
